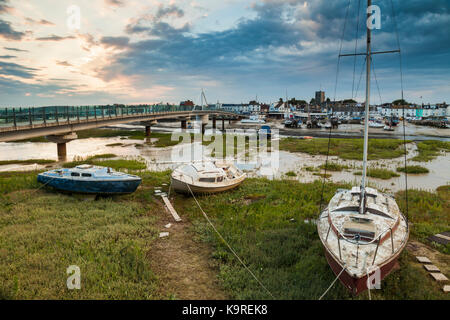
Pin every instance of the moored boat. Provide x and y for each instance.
(206, 177)
(90, 179)
(362, 230)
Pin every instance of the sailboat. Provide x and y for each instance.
(362, 229)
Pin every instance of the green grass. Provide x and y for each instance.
(429, 212)
(30, 161)
(258, 230)
(103, 156)
(350, 149)
(333, 166)
(379, 173)
(430, 149)
(114, 164)
(44, 232)
(413, 169)
(291, 174)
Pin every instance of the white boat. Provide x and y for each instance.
(362, 230)
(388, 128)
(376, 124)
(206, 177)
(254, 119)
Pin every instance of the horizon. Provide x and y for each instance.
(167, 51)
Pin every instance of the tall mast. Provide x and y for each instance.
(366, 115)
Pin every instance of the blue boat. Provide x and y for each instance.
(91, 179)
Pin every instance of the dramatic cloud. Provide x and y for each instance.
(234, 49)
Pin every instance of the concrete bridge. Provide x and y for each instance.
(60, 124)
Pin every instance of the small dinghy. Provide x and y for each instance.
(91, 179)
(206, 177)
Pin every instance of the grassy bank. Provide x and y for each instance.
(430, 149)
(379, 173)
(43, 232)
(30, 161)
(263, 216)
(351, 149)
(104, 161)
(429, 212)
(413, 169)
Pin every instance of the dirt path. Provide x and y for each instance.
(183, 265)
(440, 260)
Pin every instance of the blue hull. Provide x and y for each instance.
(96, 187)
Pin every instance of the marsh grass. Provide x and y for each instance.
(44, 233)
(285, 253)
(291, 174)
(349, 149)
(430, 149)
(103, 161)
(379, 173)
(29, 161)
(429, 212)
(333, 166)
(413, 169)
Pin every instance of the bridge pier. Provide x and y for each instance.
(184, 124)
(61, 141)
(148, 129)
(223, 124)
(214, 122)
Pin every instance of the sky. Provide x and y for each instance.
(117, 51)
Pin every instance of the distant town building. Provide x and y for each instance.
(320, 97)
(187, 103)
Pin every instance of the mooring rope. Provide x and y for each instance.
(227, 244)
(334, 281)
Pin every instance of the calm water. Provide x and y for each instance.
(169, 158)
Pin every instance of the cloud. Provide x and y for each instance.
(15, 49)
(54, 37)
(114, 3)
(39, 22)
(3, 7)
(153, 25)
(8, 33)
(64, 63)
(117, 42)
(7, 57)
(17, 70)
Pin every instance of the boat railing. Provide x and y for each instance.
(340, 236)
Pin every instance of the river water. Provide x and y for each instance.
(168, 158)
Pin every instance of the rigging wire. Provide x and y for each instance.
(403, 107)
(376, 81)
(334, 104)
(360, 76)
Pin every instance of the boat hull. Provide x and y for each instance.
(181, 187)
(354, 284)
(90, 186)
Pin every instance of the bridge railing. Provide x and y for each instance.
(54, 115)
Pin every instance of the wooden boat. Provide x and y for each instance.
(90, 179)
(206, 177)
(362, 230)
